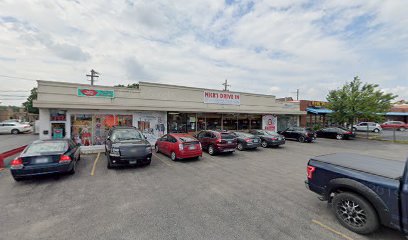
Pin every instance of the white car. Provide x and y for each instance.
(367, 126)
(14, 127)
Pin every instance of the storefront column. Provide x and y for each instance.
(45, 125)
(237, 121)
(310, 120)
(68, 125)
(222, 122)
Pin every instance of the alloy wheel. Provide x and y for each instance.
(173, 156)
(351, 213)
(339, 137)
(211, 150)
(301, 139)
(240, 147)
(264, 144)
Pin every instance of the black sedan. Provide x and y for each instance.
(335, 132)
(300, 134)
(46, 157)
(246, 140)
(269, 138)
(127, 146)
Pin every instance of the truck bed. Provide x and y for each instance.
(378, 166)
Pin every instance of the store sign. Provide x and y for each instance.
(224, 98)
(86, 92)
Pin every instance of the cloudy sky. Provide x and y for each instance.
(272, 47)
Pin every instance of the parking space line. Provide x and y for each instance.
(94, 165)
(163, 161)
(331, 230)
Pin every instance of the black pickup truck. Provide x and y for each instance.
(364, 191)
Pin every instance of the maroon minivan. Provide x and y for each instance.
(217, 142)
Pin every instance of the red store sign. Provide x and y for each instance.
(223, 98)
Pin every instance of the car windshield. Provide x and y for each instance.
(242, 134)
(227, 136)
(272, 133)
(126, 134)
(43, 147)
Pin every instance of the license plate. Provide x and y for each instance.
(134, 150)
(191, 147)
(229, 142)
(132, 161)
(41, 160)
(256, 140)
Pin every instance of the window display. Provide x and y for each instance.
(81, 132)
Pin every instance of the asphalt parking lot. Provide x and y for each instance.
(246, 195)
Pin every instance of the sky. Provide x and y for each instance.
(269, 47)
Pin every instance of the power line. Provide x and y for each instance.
(15, 77)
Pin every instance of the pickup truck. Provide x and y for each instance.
(365, 192)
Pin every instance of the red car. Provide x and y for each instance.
(179, 146)
(395, 125)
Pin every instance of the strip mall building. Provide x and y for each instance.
(85, 113)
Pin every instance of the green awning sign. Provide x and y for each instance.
(86, 92)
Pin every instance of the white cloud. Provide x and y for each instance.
(272, 47)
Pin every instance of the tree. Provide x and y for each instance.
(133, 85)
(28, 105)
(357, 100)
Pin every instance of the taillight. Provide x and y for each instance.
(248, 140)
(65, 159)
(17, 163)
(274, 139)
(218, 140)
(200, 146)
(181, 147)
(310, 170)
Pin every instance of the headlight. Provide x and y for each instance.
(149, 149)
(115, 152)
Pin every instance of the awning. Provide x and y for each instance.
(318, 110)
(396, 114)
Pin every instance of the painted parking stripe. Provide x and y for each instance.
(94, 165)
(163, 161)
(332, 230)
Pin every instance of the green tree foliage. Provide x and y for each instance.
(357, 100)
(133, 85)
(28, 105)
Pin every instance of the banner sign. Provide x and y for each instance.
(269, 122)
(86, 92)
(224, 98)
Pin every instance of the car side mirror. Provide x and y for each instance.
(144, 136)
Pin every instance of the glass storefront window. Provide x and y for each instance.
(230, 122)
(177, 122)
(213, 121)
(81, 132)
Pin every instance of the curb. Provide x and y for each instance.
(9, 153)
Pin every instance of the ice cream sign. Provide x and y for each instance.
(86, 92)
(224, 98)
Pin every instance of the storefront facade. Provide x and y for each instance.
(85, 113)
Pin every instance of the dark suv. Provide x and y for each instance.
(300, 134)
(126, 146)
(217, 142)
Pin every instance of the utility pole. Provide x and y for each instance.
(226, 85)
(94, 74)
(297, 94)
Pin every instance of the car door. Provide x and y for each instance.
(164, 144)
(288, 133)
(2, 128)
(204, 138)
(362, 126)
(171, 144)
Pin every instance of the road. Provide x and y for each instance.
(9, 141)
(247, 195)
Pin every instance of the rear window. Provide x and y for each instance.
(241, 134)
(126, 134)
(227, 136)
(187, 139)
(44, 147)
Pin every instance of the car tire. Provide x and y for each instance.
(344, 208)
(109, 166)
(17, 179)
(339, 137)
(173, 156)
(211, 150)
(15, 131)
(240, 147)
(402, 129)
(156, 149)
(264, 144)
(301, 139)
(376, 130)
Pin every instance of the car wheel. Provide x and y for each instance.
(402, 129)
(17, 179)
(355, 213)
(156, 149)
(264, 144)
(15, 131)
(376, 130)
(301, 139)
(109, 164)
(211, 150)
(339, 137)
(240, 147)
(173, 156)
